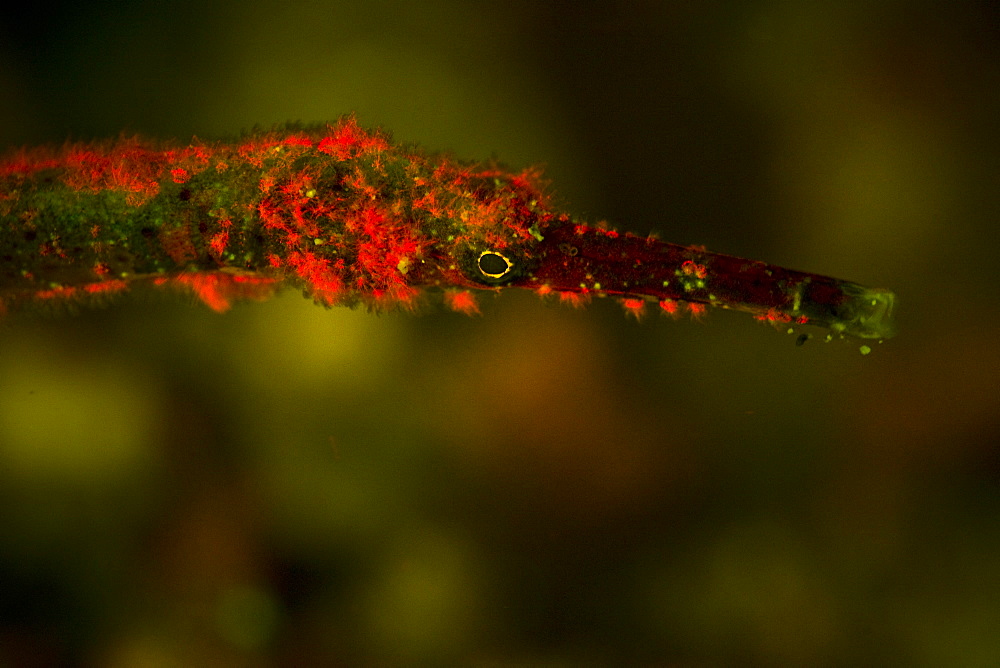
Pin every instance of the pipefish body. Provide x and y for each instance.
(349, 216)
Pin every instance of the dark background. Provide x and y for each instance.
(290, 485)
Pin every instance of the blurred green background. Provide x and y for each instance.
(288, 485)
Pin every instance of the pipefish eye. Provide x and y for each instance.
(494, 265)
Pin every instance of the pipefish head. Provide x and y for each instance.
(486, 229)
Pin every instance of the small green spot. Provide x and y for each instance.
(533, 230)
(865, 350)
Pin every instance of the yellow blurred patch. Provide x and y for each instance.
(72, 419)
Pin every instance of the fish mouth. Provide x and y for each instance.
(867, 313)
